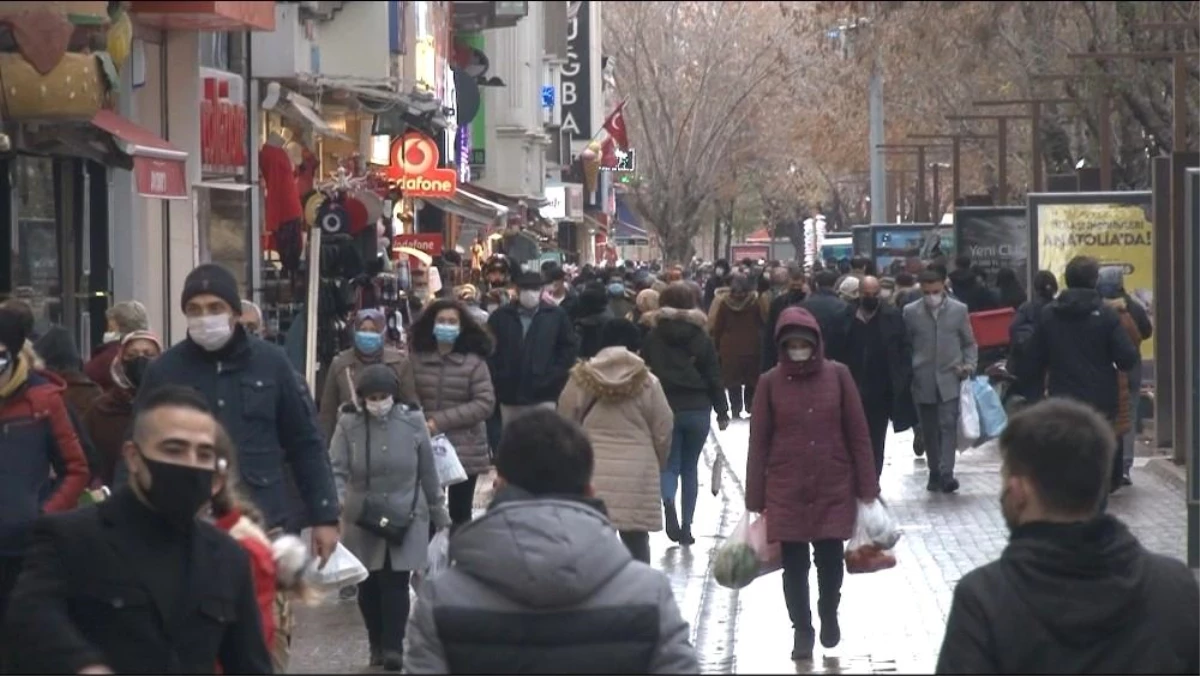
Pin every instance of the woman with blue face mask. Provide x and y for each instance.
(369, 347)
(448, 364)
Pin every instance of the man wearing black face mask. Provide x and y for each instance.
(138, 584)
(879, 355)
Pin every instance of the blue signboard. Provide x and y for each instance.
(548, 97)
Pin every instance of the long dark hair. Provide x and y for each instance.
(472, 338)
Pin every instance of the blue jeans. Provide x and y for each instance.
(687, 442)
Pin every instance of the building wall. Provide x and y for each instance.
(515, 137)
(356, 42)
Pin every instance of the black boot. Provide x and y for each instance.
(376, 656)
(672, 518)
(802, 644)
(685, 536)
(796, 596)
(827, 608)
(393, 660)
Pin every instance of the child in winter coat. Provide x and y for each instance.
(277, 566)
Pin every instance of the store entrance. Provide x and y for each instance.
(54, 216)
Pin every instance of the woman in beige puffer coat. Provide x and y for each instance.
(448, 363)
(621, 406)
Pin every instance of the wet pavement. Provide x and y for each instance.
(892, 621)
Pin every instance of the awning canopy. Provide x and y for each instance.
(470, 207)
(160, 169)
(205, 16)
(299, 109)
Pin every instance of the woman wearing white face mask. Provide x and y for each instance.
(384, 469)
(809, 430)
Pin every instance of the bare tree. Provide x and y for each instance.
(696, 75)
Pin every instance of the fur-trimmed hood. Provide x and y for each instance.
(613, 374)
(736, 306)
(653, 317)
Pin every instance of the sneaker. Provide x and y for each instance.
(673, 530)
(393, 661)
(934, 484)
(1126, 480)
(950, 485)
(802, 645)
(685, 536)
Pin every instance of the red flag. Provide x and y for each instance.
(615, 126)
(608, 154)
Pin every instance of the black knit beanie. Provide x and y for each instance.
(214, 279)
(377, 379)
(12, 332)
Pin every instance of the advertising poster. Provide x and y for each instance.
(994, 238)
(897, 243)
(860, 235)
(1115, 228)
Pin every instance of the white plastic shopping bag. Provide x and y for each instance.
(746, 554)
(445, 458)
(968, 415)
(875, 533)
(341, 570)
(438, 559)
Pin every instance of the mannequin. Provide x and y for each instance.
(305, 162)
(283, 209)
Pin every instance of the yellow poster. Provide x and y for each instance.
(1115, 234)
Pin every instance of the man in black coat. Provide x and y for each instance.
(1079, 346)
(794, 294)
(879, 355)
(137, 584)
(831, 313)
(1074, 591)
(535, 350)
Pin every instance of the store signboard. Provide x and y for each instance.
(429, 243)
(414, 167)
(577, 77)
(556, 202)
(574, 193)
(165, 179)
(1113, 227)
(223, 124)
(994, 238)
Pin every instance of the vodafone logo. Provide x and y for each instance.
(414, 167)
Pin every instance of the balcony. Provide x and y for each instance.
(477, 16)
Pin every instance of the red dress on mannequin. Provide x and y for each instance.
(283, 200)
(306, 173)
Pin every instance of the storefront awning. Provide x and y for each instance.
(160, 169)
(299, 109)
(205, 16)
(471, 207)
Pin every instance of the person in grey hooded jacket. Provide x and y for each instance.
(543, 567)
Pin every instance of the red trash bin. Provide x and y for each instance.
(991, 327)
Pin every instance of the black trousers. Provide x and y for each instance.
(638, 544)
(460, 500)
(830, 570)
(738, 403)
(383, 602)
(10, 569)
(878, 416)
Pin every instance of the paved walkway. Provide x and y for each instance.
(892, 621)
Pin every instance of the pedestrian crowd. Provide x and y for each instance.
(153, 496)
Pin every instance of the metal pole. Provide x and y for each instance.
(937, 195)
(879, 198)
(956, 177)
(1036, 134)
(1002, 161)
(1106, 141)
(311, 307)
(920, 216)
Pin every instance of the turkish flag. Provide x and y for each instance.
(608, 154)
(615, 126)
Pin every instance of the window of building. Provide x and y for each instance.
(224, 51)
(37, 263)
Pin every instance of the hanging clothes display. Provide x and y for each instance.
(283, 213)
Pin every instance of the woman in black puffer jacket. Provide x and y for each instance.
(592, 314)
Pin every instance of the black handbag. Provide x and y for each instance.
(379, 516)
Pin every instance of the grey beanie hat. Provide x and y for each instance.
(377, 379)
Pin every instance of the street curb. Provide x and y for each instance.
(1168, 471)
(715, 643)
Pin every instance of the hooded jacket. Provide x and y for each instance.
(810, 458)
(1080, 345)
(1074, 598)
(969, 292)
(58, 352)
(682, 356)
(593, 311)
(621, 406)
(543, 585)
(736, 327)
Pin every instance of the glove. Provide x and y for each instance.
(440, 517)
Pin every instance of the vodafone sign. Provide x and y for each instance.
(414, 167)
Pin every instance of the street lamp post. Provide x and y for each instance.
(955, 151)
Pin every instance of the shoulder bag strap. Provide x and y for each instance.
(587, 410)
(417, 480)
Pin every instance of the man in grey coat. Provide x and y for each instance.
(541, 584)
(944, 354)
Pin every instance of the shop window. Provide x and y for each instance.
(222, 218)
(37, 263)
(224, 51)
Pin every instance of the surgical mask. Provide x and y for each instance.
(381, 408)
(935, 300)
(869, 303)
(529, 298)
(111, 336)
(177, 492)
(616, 289)
(135, 369)
(368, 342)
(800, 354)
(446, 333)
(210, 332)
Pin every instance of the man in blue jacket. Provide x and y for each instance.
(258, 397)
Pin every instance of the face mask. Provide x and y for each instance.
(800, 353)
(935, 299)
(616, 289)
(211, 332)
(869, 303)
(446, 333)
(111, 336)
(368, 342)
(381, 408)
(529, 299)
(177, 492)
(135, 369)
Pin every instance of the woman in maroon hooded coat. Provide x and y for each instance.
(810, 463)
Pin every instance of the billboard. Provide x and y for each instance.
(994, 238)
(1113, 227)
(897, 243)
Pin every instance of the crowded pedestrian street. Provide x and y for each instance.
(893, 620)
